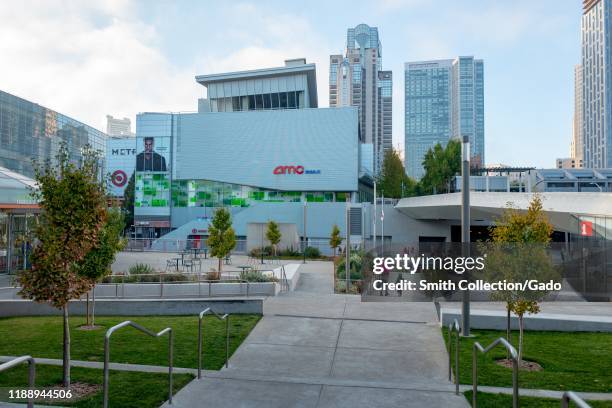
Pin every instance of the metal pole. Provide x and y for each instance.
(305, 236)
(262, 244)
(374, 214)
(382, 225)
(465, 228)
(227, 341)
(347, 264)
(106, 364)
(474, 377)
(170, 364)
(199, 348)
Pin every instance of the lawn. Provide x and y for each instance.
(486, 400)
(127, 389)
(570, 361)
(42, 337)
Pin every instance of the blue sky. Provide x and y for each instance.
(89, 59)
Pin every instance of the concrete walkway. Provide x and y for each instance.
(317, 349)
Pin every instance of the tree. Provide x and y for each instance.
(73, 213)
(393, 181)
(441, 165)
(221, 237)
(335, 240)
(519, 253)
(127, 207)
(273, 235)
(97, 263)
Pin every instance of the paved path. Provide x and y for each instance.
(316, 349)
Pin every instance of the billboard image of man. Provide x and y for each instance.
(149, 160)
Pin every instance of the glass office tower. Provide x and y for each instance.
(597, 89)
(30, 131)
(444, 99)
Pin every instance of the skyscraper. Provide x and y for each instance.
(357, 79)
(596, 81)
(577, 148)
(444, 99)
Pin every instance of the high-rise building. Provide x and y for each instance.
(596, 82)
(30, 131)
(357, 79)
(444, 99)
(118, 127)
(577, 147)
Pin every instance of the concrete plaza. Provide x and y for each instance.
(317, 349)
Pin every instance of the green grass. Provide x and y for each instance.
(571, 361)
(126, 390)
(42, 337)
(486, 400)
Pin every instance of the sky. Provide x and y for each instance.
(87, 59)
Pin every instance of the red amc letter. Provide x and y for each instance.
(299, 170)
(279, 170)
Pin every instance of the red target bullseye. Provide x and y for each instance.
(119, 178)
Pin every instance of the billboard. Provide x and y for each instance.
(120, 160)
(152, 181)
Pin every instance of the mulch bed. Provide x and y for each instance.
(527, 365)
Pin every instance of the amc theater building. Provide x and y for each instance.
(258, 146)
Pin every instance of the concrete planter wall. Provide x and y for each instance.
(182, 290)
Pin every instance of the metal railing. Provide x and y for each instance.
(572, 396)
(110, 331)
(225, 317)
(513, 353)
(31, 371)
(283, 282)
(454, 327)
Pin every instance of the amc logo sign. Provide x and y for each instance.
(289, 170)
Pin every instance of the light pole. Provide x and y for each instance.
(305, 239)
(374, 234)
(347, 264)
(465, 228)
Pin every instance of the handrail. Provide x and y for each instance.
(225, 317)
(572, 396)
(283, 279)
(110, 331)
(31, 371)
(454, 327)
(513, 353)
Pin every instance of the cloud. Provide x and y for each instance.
(87, 59)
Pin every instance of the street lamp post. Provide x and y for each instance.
(347, 264)
(465, 227)
(305, 239)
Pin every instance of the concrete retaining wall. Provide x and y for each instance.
(136, 307)
(174, 290)
(496, 320)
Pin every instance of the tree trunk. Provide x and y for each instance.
(93, 306)
(66, 362)
(508, 331)
(87, 311)
(220, 265)
(520, 350)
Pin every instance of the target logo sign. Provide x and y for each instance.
(119, 178)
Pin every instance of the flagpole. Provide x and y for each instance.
(382, 225)
(374, 215)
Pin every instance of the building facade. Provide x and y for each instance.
(444, 99)
(577, 146)
(293, 86)
(118, 127)
(569, 163)
(596, 81)
(29, 131)
(357, 79)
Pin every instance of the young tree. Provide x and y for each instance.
(73, 212)
(127, 207)
(221, 238)
(97, 263)
(273, 235)
(517, 254)
(393, 180)
(441, 165)
(335, 240)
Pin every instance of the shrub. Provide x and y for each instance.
(256, 252)
(289, 251)
(174, 277)
(312, 252)
(356, 266)
(252, 275)
(141, 269)
(213, 275)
